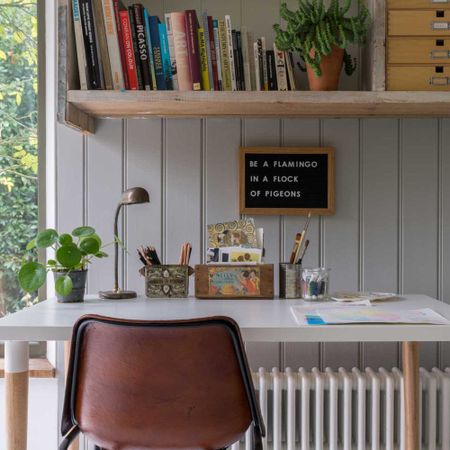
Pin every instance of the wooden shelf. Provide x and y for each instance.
(260, 104)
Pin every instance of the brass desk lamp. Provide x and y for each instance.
(131, 196)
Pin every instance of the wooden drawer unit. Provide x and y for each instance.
(418, 51)
(418, 4)
(419, 22)
(418, 78)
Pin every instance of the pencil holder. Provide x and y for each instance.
(290, 280)
(314, 283)
(167, 281)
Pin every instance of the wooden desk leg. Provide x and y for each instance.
(410, 352)
(75, 445)
(16, 394)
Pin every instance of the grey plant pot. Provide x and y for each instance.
(78, 278)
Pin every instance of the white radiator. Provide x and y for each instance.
(348, 410)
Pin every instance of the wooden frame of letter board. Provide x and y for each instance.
(287, 211)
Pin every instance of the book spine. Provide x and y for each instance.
(260, 64)
(203, 59)
(218, 58)
(224, 53)
(229, 32)
(256, 51)
(271, 70)
(193, 49)
(141, 43)
(246, 59)
(240, 59)
(236, 60)
(212, 46)
(290, 70)
(280, 69)
(81, 52)
(173, 61)
(90, 44)
(113, 44)
(102, 44)
(120, 43)
(181, 51)
(151, 62)
(157, 56)
(165, 56)
(208, 51)
(129, 52)
(264, 64)
(135, 47)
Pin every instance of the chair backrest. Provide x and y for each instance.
(159, 385)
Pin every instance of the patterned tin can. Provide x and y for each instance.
(167, 281)
(290, 280)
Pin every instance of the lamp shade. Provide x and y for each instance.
(135, 195)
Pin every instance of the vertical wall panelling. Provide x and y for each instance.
(180, 5)
(143, 168)
(379, 239)
(302, 133)
(104, 182)
(420, 218)
(265, 132)
(259, 20)
(342, 229)
(218, 8)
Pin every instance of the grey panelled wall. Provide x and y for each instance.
(391, 230)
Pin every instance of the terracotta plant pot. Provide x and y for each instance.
(331, 66)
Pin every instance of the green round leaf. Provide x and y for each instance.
(51, 262)
(90, 245)
(83, 231)
(32, 276)
(64, 285)
(65, 239)
(46, 238)
(31, 244)
(101, 255)
(68, 256)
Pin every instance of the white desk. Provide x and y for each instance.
(260, 320)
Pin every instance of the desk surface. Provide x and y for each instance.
(260, 320)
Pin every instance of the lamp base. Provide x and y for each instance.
(117, 295)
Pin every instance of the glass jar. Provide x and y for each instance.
(314, 283)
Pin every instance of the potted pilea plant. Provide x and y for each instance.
(73, 253)
(320, 36)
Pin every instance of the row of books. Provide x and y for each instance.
(128, 48)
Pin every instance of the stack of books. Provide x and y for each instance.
(128, 48)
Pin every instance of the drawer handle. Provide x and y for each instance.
(440, 25)
(440, 54)
(440, 81)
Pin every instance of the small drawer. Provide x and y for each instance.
(419, 23)
(414, 4)
(418, 78)
(418, 51)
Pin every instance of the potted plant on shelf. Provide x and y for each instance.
(320, 36)
(73, 253)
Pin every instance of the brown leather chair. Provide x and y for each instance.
(172, 385)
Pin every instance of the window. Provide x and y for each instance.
(18, 144)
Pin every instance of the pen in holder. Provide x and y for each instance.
(290, 280)
(314, 283)
(167, 281)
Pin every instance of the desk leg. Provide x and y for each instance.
(410, 352)
(16, 394)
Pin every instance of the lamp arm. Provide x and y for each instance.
(116, 248)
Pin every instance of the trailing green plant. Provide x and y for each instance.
(312, 30)
(72, 252)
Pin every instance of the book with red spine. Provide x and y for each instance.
(117, 8)
(212, 45)
(181, 52)
(129, 51)
(192, 27)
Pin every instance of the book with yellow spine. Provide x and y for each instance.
(203, 60)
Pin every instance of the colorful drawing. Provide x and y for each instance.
(234, 281)
(232, 234)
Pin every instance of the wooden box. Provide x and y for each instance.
(243, 281)
(418, 78)
(170, 281)
(418, 51)
(419, 22)
(418, 4)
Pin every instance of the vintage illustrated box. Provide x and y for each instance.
(234, 281)
(167, 281)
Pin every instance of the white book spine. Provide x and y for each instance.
(246, 58)
(264, 64)
(79, 42)
(256, 59)
(230, 52)
(218, 56)
(112, 40)
(173, 60)
(280, 64)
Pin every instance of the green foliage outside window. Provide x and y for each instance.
(18, 144)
